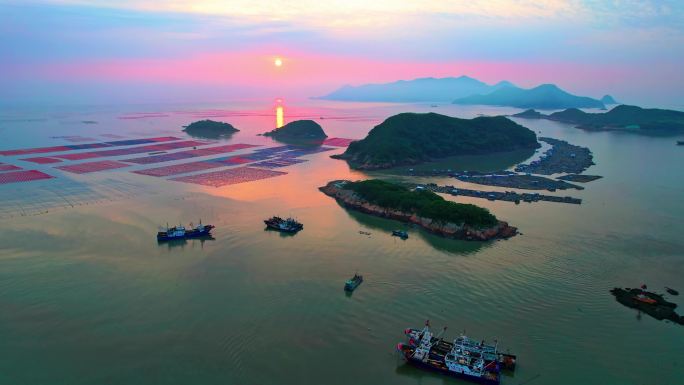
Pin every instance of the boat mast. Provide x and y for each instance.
(439, 336)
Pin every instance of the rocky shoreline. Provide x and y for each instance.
(351, 200)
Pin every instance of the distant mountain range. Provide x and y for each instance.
(417, 90)
(545, 96)
(466, 90)
(621, 118)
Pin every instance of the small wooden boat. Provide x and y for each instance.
(353, 283)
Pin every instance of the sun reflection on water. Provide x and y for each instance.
(279, 113)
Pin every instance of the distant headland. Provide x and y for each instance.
(412, 138)
(421, 207)
(210, 129)
(620, 118)
(545, 96)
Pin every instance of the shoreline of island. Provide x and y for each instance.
(351, 200)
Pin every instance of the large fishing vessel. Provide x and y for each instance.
(180, 232)
(288, 225)
(464, 358)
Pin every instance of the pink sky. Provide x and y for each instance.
(83, 49)
(321, 73)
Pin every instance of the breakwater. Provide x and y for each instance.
(508, 196)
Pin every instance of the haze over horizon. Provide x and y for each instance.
(84, 51)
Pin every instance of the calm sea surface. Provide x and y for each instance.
(87, 296)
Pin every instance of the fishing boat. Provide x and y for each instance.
(180, 232)
(400, 233)
(288, 225)
(680, 143)
(353, 283)
(463, 358)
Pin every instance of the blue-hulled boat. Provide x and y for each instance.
(353, 283)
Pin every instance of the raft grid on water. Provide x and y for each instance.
(42, 150)
(42, 160)
(8, 167)
(338, 142)
(229, 177)
(131, 150)
(23, 176)
(88, 167)
(190, 154)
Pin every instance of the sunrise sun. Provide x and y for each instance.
(278, 62)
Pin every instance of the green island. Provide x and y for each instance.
(421, 207)
(210, 129)
(424, 203)
(620, 118)
(298, 130)
(413, 138)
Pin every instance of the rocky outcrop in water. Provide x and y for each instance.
(351, 200)
(650, 303)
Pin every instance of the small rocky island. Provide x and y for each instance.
(620, 118)
(412, 138)
(210, 129)
(298, 131)
(650, 303)
(421, 207)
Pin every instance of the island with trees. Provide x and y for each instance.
(421, 207)
(412, 138)
(298, 131)
(210, 129)
(620, 118)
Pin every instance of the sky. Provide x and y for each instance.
(113, 51)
